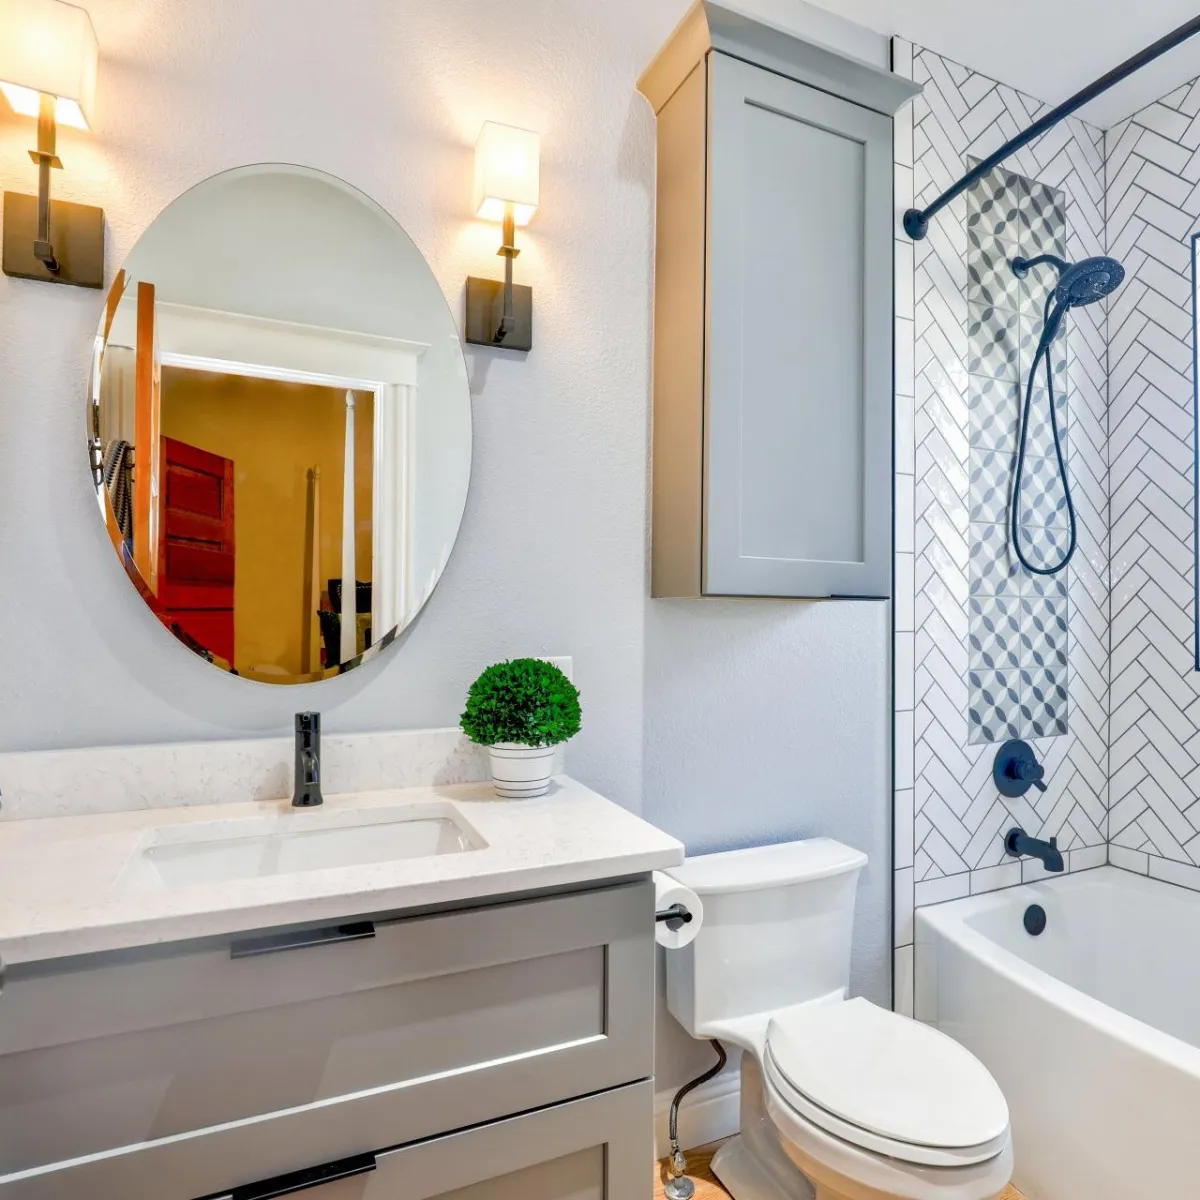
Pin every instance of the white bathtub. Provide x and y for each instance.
(1092, 1029)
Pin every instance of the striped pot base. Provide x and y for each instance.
(521, 771)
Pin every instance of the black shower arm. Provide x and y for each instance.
(916, 220)
(1022, 266)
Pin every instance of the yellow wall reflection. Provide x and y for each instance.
(276, 434)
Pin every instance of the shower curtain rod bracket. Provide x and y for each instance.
(916, 220)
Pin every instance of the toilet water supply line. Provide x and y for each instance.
(679, 1187)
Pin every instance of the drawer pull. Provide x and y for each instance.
(276, 943)
(301, 1181)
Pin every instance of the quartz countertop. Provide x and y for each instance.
(78, 884)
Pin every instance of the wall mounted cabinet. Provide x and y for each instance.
(773, 314)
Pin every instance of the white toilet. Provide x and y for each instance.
(841, 1099)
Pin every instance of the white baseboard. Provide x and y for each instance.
(706, 1115)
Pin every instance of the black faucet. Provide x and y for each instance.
(307, 791)
(1017, 842)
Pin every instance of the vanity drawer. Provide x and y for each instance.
(597, 1148)
(460, 1018)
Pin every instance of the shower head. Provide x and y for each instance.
(1089, 281)
(1079, 283)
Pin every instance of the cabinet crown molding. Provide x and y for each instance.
(709, 26)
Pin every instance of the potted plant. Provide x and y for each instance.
(521, 710)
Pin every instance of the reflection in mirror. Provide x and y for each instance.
(279, 405)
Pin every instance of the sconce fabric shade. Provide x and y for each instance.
(48, 46)
(506, 172)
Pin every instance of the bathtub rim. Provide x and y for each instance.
(949, 921)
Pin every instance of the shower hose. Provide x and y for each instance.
(1051, 323)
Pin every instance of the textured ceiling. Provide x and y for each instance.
(1049, 49)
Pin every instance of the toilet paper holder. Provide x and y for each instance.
(676, 917)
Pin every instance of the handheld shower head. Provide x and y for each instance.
(1089, 281)
(1079, 283)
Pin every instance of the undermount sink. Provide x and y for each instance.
(211, 852)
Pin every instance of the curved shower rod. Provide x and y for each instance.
(916, 220)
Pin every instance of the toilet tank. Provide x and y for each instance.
(777, 931)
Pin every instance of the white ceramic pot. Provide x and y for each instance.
(521, 771)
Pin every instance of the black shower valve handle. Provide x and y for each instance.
(1028, 771)
(1016, 769)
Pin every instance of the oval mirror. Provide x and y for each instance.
(279, 424)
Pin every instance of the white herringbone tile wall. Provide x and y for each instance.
(1153, 167)
(949, 818)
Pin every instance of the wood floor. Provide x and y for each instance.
(707, 1188)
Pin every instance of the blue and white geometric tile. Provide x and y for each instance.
(991, 480)
(990, 277)
(993, 569)
(992, 342)
(1043, 222)
(995, 406)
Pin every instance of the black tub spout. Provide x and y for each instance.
(1018, 843)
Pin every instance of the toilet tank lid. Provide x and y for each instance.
(759, 867)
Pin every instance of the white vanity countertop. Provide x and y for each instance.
(77, 885)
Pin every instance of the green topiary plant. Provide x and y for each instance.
(526, 700)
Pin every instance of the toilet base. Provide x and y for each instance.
(745, 1177)
(763, 1164)
(753, 1165)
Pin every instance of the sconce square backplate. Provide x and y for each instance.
(77, 231)
(485, 308)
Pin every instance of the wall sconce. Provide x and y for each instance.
(48, 57)
(506, 189)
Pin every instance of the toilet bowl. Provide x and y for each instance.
(840, 1099)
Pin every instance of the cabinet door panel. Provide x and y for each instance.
(799, 379)
(577, 1176)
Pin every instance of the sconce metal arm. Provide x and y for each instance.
(508, 251)
(46, 158)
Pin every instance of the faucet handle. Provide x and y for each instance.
(1026, 768)
(1016, 769)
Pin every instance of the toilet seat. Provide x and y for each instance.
(796, 1103)
(885, 1083)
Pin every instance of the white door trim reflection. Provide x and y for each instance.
(349, 614)
(202, 338)
(393, 502)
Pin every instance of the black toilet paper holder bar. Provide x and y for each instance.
(676, 917)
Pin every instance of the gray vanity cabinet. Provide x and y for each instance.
(772, 459)
(194, 1070)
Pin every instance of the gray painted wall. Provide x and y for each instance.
(767, 721)
(755, 721)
